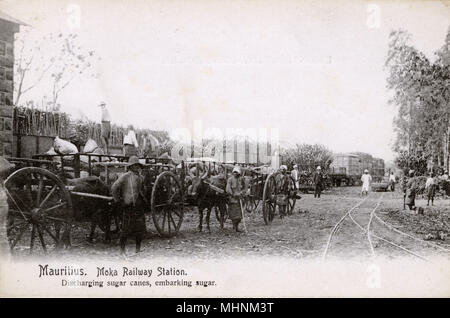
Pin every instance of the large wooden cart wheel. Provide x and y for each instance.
(269, 199)
(292, 194)
(40, 211)
(167, 204)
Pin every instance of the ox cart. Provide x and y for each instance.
(42, 208)
(261, 185)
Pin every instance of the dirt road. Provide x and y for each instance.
(301, 235)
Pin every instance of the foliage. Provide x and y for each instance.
(421, 93)
(307, 157)
(406, 161)
(51, 62)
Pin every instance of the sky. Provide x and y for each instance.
(313, 70)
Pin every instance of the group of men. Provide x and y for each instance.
(128, 193)
(411, 187)
(318, 179)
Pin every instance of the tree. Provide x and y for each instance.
(51, 60)
(421, 95)
(308, 156)
(443, 60)
(406, 161)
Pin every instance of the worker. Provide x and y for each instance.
(128, 192)
(318, 182)
(295, 176)
(392, 181)
(430, 188)
(130, 144)
(282, 190)
(411, 191)
(236, 190)
(366, 180)
(105, 128)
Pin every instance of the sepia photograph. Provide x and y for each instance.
(238, 148)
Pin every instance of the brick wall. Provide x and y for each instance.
(7, 30)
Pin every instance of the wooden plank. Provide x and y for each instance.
(90, 195)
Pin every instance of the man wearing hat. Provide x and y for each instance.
(318, 182)
(105, 127)
(282, 187)
(235, 189)
(128, 192)
(366, 179)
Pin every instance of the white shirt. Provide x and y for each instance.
(130, 139)
(294, 174)
(105, 115)
(392, 178)
(430, 181)
(366, 179)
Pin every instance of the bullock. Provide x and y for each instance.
(99, 211)
(205, 191)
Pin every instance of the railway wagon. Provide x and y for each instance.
(347, 168)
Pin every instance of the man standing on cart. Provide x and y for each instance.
(128, 191)
(130, 143)
(236, 190)
(105, 128)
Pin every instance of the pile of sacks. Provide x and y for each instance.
(61, 147)
(66, 148)
(91, 147)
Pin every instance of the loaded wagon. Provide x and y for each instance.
(263, 189)
(41, 198)
(260, 183)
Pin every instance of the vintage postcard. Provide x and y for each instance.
(238, 148)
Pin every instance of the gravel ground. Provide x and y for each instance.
(304, 234)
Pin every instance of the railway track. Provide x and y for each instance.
(369, 232)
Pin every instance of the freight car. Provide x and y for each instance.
(347, 168)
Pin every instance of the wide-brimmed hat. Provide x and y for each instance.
(283, 167)
(295, 166)
(237, 169)
(411, 172)
(365, 170)
(134, 160)
(318, 168)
